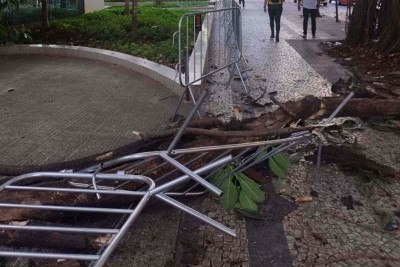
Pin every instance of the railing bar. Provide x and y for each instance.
(65, 208)
(87, 257)
(60, 229)
(133, 165)
(75, 190)
(185, 164)
(149, 171)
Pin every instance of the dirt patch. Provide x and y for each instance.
(380, 74)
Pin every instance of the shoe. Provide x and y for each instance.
(304, 36)
(277, 39)
(313, 36)
(272, 36)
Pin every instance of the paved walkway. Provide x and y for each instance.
(293, 67)
(56, 109)
(323, 232)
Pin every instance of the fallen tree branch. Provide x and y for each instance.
(229, 134)
(359, 107)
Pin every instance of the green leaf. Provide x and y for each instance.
(282, 161)
(251, 188)
(246, 201)
(261, 152)
(217, 178)
(275, 168)
(230, 195)
(251, 214)
(244, 177)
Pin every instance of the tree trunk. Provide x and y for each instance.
(361, 107)
(375, 23)
(126, 7)
(389, 41)
(134, 16)
(45, 16)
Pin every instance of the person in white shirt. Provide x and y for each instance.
(310, 9)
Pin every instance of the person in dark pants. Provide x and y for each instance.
(275, 8)
(241, 2)
(310, 9)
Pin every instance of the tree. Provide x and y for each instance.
(126, 7)
(45, 16)
(134, 15)
(376, 23)
(8, 6)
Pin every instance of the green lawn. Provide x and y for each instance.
(111, 29)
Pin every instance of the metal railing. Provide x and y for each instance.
(165, 168)
(222, 28)
(145, 194)
(161, 174)
(195, 30)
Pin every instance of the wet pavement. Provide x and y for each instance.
(323, 231)
(55, 109)
(293, 67)
(306, 237)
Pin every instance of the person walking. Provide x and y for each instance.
(275, 12)
(241, 2)
(310, 9)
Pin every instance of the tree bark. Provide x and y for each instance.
(375, 23)
(126, 7)
(230, 134)
(53, 198)
(273, 123)
(45, 16)
(360, 107)
(49, 240)
(389, 41)
(134, 16)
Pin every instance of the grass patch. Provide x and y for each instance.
(168, 4)
(27, 15)
(111, 29)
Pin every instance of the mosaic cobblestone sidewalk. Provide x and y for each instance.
(323, 232)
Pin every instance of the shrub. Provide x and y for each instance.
(3, 34)
(111, 29)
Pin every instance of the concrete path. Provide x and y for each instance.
(293, 67)
(59, 109)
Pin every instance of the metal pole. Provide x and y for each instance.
(317, 171)
(337, 10)
(49, 255)
(196, 214)
(180, 180)
(333, 115)
(186, 122)
(191, 174)
(177, 106)
(340, 107)
(107, 253)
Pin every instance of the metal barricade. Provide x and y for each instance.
(196, 30)
(116, 233)
(95, 180)
(158, 171)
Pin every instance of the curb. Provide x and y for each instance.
(157, 72)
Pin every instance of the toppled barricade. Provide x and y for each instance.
(54, 207)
